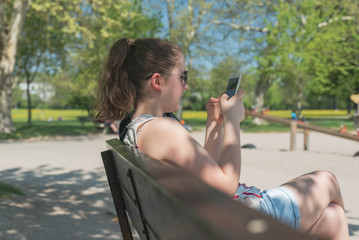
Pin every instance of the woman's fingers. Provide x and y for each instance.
(240, 94)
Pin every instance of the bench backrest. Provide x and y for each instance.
(164, 202)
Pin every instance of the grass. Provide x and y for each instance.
(40, 127)
(327, 118)
(20, 115)
(70, 126)
(50, 129)
(6, 190)
(312, 114)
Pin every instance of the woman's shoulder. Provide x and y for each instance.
(164, 124)
(163, 129)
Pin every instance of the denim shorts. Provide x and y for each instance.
(281, 204)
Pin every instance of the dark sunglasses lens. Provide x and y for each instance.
(185, 77)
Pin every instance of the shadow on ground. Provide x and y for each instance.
(61, 205)
(353, 228)
(58, 205)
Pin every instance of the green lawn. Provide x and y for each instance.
(51, 129)
(327, 118)
(20, 115)
(70, 126)
(41, 126)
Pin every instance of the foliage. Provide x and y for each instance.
(68, 40)
(6, 190)
(106, 25)
(314, 50)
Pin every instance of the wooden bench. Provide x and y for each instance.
(164, 202)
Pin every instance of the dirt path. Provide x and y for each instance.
(67, 195)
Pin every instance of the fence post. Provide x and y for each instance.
(306, 139)
(293, 131)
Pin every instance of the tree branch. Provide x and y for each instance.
(240, 27)
(344, 18)
(264, 30)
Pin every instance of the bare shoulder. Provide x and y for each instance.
(161, 136)
(162, 127)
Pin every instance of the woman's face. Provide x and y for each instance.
(175, 86)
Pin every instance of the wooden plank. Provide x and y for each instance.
(304, 125)
(116, 194)
(176, 205)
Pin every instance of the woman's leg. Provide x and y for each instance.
(320, 203)
(333, 215)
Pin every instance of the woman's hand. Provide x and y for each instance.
(214, 112)
(232, 109)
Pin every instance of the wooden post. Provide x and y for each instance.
(306, 139)
(293, 131)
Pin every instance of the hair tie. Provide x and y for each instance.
(130, 42)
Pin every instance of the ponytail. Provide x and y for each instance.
(116, 94)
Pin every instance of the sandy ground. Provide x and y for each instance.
(67, 195)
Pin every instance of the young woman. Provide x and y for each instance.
(148, 77)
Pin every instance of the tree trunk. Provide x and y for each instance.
(258, 106)
(299, 102)
(261, 87)
(10, 33)
(28, 103)
(6, 124)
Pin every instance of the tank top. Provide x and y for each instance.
(135, 127)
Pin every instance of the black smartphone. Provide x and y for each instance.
(233, 85)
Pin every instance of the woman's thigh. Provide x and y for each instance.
(314, 192)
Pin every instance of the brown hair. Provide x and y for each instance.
(128, 64)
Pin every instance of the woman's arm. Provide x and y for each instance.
(166, 140)
(214, 128)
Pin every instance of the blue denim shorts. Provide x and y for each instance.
(281, 204)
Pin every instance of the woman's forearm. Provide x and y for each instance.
(230, 157)
(213, 139)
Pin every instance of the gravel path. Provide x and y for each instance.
(67, 195)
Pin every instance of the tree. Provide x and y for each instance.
(316, 48)
(106, 25)
(249, 22)
(12, 15)
(300, 44)
(41, 49)
(187, 27)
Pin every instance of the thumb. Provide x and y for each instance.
(223, 97)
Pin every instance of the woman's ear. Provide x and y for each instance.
(156, 82)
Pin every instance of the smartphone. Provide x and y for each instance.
(233, 85)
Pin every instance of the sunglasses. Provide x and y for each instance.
(183, 77)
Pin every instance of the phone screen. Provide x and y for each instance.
(233, 85)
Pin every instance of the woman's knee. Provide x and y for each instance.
(326, 176)
(328, 179)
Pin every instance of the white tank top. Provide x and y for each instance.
(134, 128)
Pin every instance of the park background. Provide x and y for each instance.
(294, 55)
